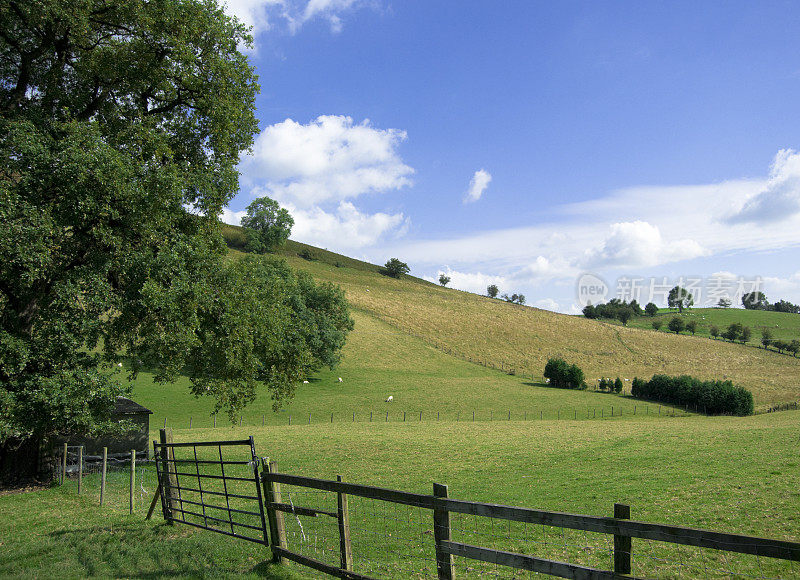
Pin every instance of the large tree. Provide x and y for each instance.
(755, 301)
(121, 125)
(679, 298)
(267, 225)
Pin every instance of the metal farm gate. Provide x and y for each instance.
(213, 485)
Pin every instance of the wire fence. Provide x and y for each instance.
(562, 413)
(118, 484)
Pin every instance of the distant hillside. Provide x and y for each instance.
(782, 325)
(521, 338)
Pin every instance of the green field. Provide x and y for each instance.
(728, 474)
(432, 349)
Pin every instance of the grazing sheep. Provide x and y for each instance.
(340, 379)
(305, 382)
(119, 365)
(390, 399)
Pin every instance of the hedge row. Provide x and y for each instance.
(563, 375)
(712, 397)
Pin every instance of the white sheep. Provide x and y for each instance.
(119, 365)
(390, 399)
(340, 379)
(305, 382)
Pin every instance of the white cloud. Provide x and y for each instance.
(639, 244)
(778, 288)
(345, 229)
(475, 282)
(477, 185)
(233, 218)
(262, 14)
(780, 198)
(326, 9)
(255, 13)
(328, 159)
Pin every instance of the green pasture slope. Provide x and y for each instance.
(380, 361)
(782, 325)
(411, 341)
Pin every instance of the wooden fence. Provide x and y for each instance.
(621, 527)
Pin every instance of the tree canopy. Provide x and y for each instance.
(679, 298)
(395, 268)
(755, 301)
(267, 225)
(121, 126)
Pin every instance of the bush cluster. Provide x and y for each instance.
(563, 375)
(610, 385)
(615, 309)
(714, 397)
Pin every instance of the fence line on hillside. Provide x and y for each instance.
(483, 416)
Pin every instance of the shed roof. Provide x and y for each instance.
(124, 406)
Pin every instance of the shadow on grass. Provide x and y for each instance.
(139, 549)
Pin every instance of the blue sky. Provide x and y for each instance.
(527, 143)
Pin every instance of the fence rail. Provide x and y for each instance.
(620, 527)
(445, 539)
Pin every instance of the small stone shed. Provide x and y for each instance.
(138, 439)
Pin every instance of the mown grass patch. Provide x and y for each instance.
(739, 475)
(56, 533)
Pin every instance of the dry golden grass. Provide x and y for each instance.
(522, 338)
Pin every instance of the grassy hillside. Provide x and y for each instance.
(415, 341)
(491, 331)
(380, 361)
(782, 325)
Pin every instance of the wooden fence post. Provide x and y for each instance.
(272, 494)
(345, 547)
(80, 469)
(168, 478)
(64, 465)
(622, 544)
(133, 480)
(103, 476)
(441, 533)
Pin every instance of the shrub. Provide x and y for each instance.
(733, 332)
(618, 385)
(714, 331)
(713, 397)
(395, 268)
(564, 375)
(746, 334)
(656, 324)
(676, 325)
